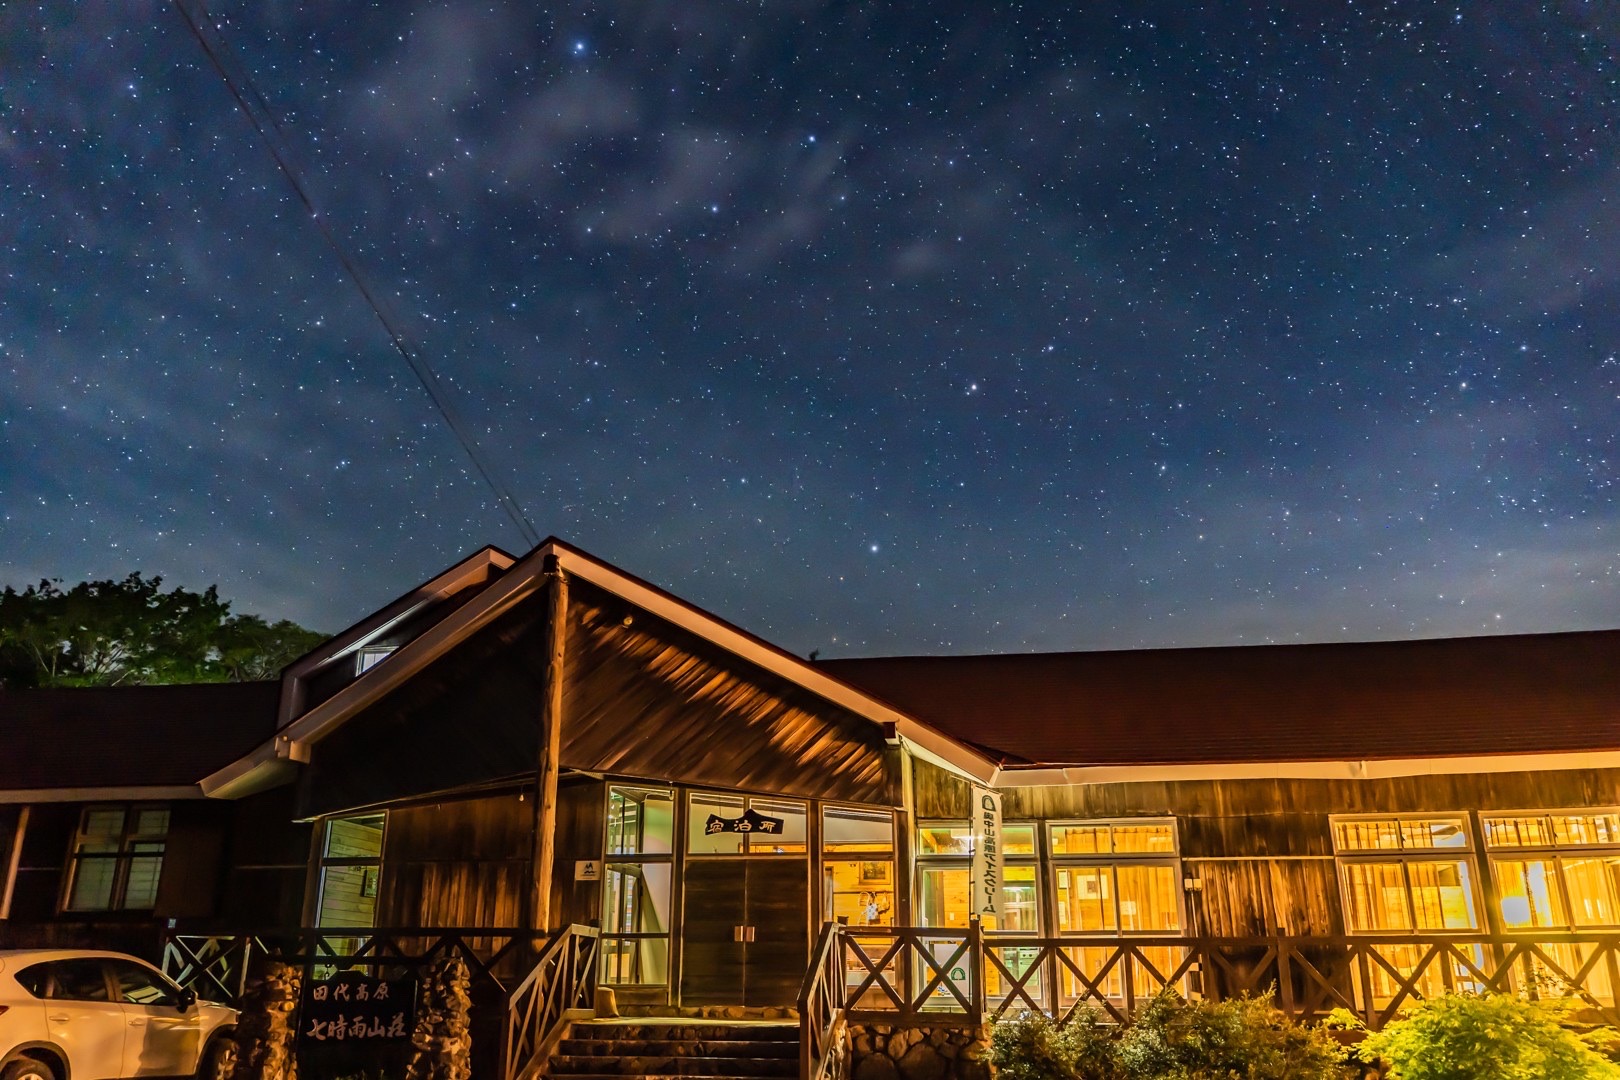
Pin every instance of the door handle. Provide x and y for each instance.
(742, 933)
(137, 1022)
(59, 1018)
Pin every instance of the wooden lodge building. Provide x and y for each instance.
(543, 741)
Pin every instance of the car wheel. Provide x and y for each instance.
(27, 1069)
(218, 1061)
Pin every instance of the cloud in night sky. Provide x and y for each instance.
(1002, 327)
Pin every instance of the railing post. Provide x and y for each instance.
(1285, 977)
(1051, 972)
(979, 968)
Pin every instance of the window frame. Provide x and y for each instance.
(325, 862)
(1467, 854)
(1554, 853)
(1058, 860)
(826, 857)
(121, 859)
(922, 862)
(640, 858)
(749, 799)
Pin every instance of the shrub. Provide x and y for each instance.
(1032, 1047)
(1467, 1036)
(1244, 1038)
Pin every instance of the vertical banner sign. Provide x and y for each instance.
(987, 854)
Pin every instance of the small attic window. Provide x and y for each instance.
(370, 656)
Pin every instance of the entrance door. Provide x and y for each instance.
(744, 930)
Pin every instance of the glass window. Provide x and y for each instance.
(1122, 897)
(1563, 870)
(1400, 834)
(638, 885)
(1393, 877)
(370, 656)
(943, 899)
(1107, 838)
(641, 821)
(117, 858)
(706, 816)
(859, 892)
(78, 980)
(858, 889)
(951, 838)
(35, 979)
(850, 829)
(139, 985)
(720, 824)
(636, 920)
(351, 862)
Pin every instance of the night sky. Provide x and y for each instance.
(936, 327)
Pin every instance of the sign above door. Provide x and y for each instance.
(751, 821)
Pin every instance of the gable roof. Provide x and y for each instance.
(151, 741)
(270, 763)
(1440, 698)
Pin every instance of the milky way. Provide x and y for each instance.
(873, 328)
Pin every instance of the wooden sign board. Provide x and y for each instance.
(354, 1007)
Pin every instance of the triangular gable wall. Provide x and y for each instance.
(642, 698)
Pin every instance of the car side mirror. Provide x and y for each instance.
(186, 999)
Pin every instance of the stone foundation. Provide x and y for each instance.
(924, 1052)
(442, 1040)
(264, 1031)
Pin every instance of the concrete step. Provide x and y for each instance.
(684, 1030)
(655, 1076)
(587, 1046)
(574, 1066)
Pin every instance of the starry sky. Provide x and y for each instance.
(874, 328)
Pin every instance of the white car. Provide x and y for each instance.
(78, 1014)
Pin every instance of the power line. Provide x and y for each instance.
(280, 149)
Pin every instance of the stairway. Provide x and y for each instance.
(614, 1050)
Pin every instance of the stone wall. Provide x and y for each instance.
(265, 1035)
(924, 1052)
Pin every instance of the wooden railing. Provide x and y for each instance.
(525, 984)
(216, 965)
(822, 1053)
(911, 974)
(560, 988)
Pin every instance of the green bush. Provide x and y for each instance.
(1032, 1047)
(1469, 1037)
(1243, 1039)
(1240, 1039)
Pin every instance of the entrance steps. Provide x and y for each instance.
(678, 1047)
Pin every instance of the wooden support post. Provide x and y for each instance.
(551, 716)
(14, 861)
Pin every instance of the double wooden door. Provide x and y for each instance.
(745, 930)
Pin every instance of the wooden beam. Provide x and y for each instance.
(548, 766)
(15, 860)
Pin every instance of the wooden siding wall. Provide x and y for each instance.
(266, 862)
(466, 862)
(647, 699)
(469, 719)
(1262, 849)
(461, 862)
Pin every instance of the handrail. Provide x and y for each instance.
(559, 989)
(821, 1008)
(902, 974)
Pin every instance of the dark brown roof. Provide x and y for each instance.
(130, 736)
(1444, 697)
